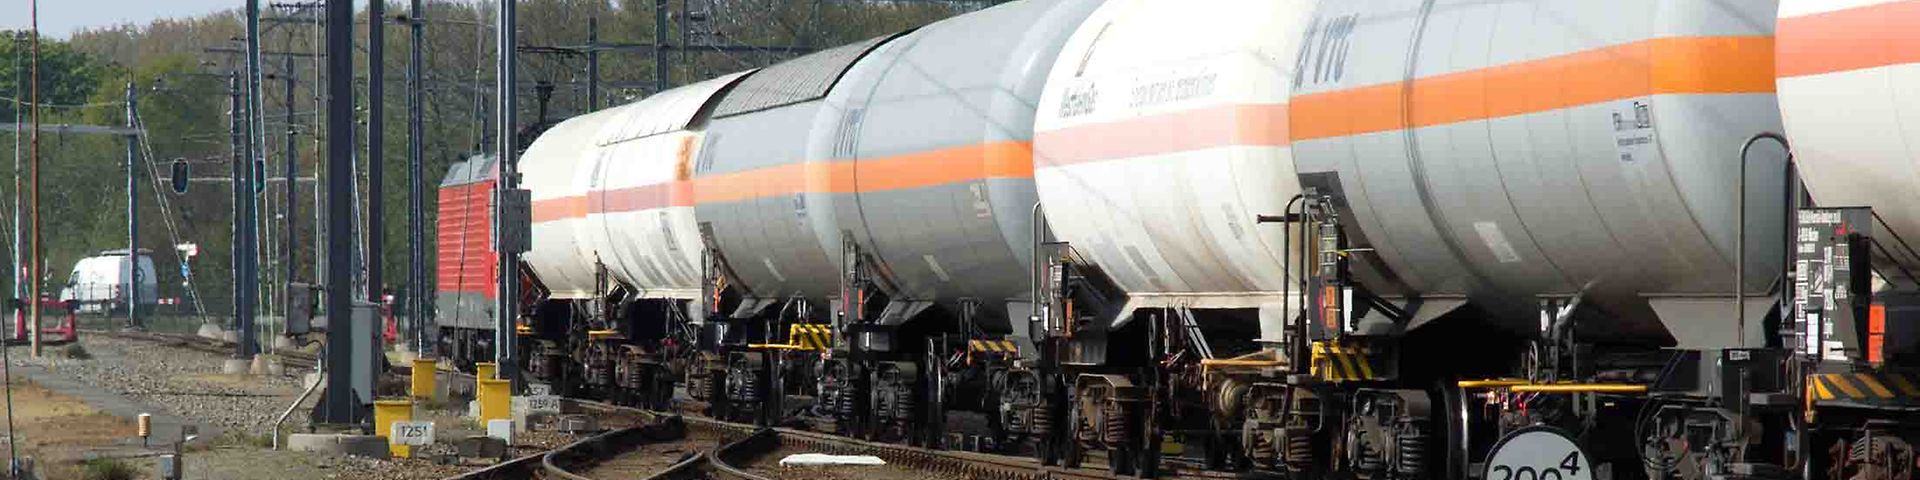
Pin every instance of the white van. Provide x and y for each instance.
(98, 283)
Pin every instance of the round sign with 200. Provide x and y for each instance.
(1538, 453)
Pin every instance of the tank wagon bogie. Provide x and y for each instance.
(1379, 239)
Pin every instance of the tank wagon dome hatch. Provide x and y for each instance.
(611, 189)
(1479, 152)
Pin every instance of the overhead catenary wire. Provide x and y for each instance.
(17, 101)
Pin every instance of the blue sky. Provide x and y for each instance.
(60, 18)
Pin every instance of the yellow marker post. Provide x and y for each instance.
(385, 412)
(496, 400)
(423, 378)
(484, 370)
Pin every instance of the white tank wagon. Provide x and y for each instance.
(1571, 170)
(552, 173)
(922, 154)
(943, 214)
(616, 244)
(751, 182)
(1508, 152)
(1154, 158)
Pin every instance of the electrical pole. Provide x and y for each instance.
(248, 185)
(291, 239)
(33, 187)
(416, 189)
(133, 216)
(341, 405)
(593, 63)
(6, 361)
(376, 147)
(237, 111)
(660, 82)
(19, 211)
(507, 306)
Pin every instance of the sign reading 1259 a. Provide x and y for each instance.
(1538, 453)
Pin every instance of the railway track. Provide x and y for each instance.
(571, 461)
(721, 450)
(743, 452)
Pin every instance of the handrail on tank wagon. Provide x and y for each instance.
(1740, 226)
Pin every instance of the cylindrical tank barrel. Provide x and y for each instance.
(928, 143)
(1506, 151)
(1154, 158)
(613, 190)
(913, 150)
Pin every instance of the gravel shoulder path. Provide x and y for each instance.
(178, 382)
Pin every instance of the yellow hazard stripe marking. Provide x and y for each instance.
(1874, 385)
(1906, 386)
(1335, 362)
(1366, 367)
(995, 346)
(1347, 364)
(810, 336)
(1323, 365)
(1861, 386)
(1846, 387)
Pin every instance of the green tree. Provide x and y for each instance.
(67, 76)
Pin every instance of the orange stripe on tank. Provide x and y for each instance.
(1183, 131)
(1850, 39)
(1678, 65)
(559, 208)
(1011, 159)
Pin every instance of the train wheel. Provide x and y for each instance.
(997, 430)
(1212, 457)
(717, 401)
(662, 391)
(1456, 413)
(1149, 460)
(1071, 452)
(1120, 459)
